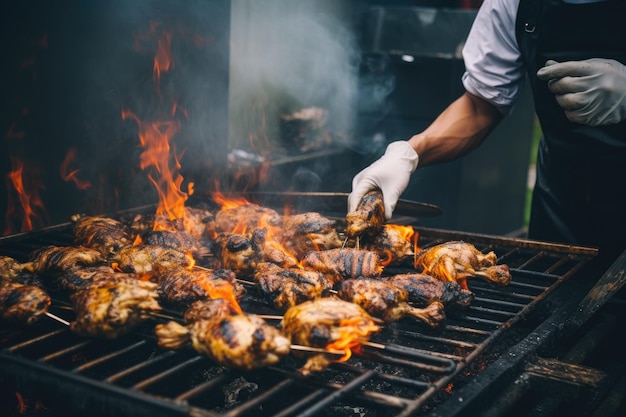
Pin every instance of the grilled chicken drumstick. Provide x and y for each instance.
(328, 323)
(388, 302)
(286, 287)
(458, 260)
(56, 259)
(424, 290)
(22, 304)
(369, 216)
(108, 309)
(343, 263)
(241, 341)
(106, 235)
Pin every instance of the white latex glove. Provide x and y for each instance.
(390, 173)
(592, 92)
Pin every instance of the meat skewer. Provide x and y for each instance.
(388, 302)
(241, 341)
(22, 304)
(104, 234)
(458, 261)
(239, 253)
(424, 290)
(369, 216)
(146, 259)
(56, 259)
(308, 231)
(343, 263)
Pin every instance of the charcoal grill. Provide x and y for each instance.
(407, 369)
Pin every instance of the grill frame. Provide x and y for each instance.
(554, 263)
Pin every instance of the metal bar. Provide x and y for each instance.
(198, 389)
(65, 351)
(259, 399)
(110, 356)
(34, 340)
(140, 365)
(170, 371)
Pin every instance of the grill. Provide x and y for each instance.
(407, 369)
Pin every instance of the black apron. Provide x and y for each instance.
(580, 192)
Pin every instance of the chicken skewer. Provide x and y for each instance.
(424, 290)
(343, 263)
(369, 216)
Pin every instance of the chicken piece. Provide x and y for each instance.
(343, 263)
(109, 309)
(395, 244)
(209, 309)
(147, 259)
(56, 259)
(180, 241)
(22, 304)
(240, 253)
(10, 268)
(368, 217)
(245, 218)
(183, 286)
(327, 323)
(388, 302)
(103, 234)
(197, 222)
(273, 251)
(458, 260)
(286, 287)
(424, 290)
(237, 341)
(309, 231)
(77, 278)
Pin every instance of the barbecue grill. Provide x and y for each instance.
(406, 369)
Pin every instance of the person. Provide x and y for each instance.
(573, 55)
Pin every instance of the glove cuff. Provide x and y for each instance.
(403, 150)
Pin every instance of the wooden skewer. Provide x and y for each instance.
(57, 318)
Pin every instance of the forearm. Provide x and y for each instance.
(458, 130)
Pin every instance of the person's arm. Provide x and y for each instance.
(459, 129)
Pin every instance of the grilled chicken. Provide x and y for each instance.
(56, 259)
(309, 231)
(147, 259)
(196, 221)
(10, 268)
(343, 263)
(424, 290)
(327, 323)
(368, 217)
(209, 309)
(109, 309)
(77, 278)
(238, 341)
(458, 260)
(245, 218)
(180, 241)
(238, 252)
(22, 304)
(388, 302)
(183, 286)
(395, 244)
(103, 234)
(286, 287)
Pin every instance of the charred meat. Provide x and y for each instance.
(211, 309)
(245, 218)
(77, 278)
(22, 304)
(424, 290)
(110, 309)
(343, 263)
(327, 323)
(183, 286)
(388, 302)
(180, 241)
(395, 244)
(103, 234)
(238, 341)
(56, 259)
(309, 231)
(10, 268)
(286, 287)
(458, 260)
(369, 216)
(238, 252)
(148, 259)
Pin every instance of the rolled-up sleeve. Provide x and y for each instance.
(493, 64)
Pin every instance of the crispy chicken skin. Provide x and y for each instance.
(177, 240)
(238, 252)
(424, 290)
(343, 263)
(77, 278)
(327, 323)
(309, 231)
(238, 341)
(110, 309)
(369, 216)
(10, 268)
(211, 309)
(104, 234)
(196, 221)
(286, 287)
(243, 219)
(183, 286)
(388, 302)
(146, 259)
(458, 260)
(22, 304)
(394, 244)
(56, 259)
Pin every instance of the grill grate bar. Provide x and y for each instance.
(259, 399)
(110, 356)
(63, 352)
(499, 302)
(170, 371)
(34, 340)
(478, 309)
(140, 366)
(198, 389)
(304, 402)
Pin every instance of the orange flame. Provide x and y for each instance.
(30, 202)
(67, 174)
(228, 202)
(221, 289)
(352, 333)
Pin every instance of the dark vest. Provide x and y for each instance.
(580, 193)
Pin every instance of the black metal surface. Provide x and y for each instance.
(407, 370)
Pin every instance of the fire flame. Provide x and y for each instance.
(29, 201)
(352, 333)
(222, 289)
(68, 174)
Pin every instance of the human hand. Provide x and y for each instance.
(592, 91)
(390, 173)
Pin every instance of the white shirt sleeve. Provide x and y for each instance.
(493, 63)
